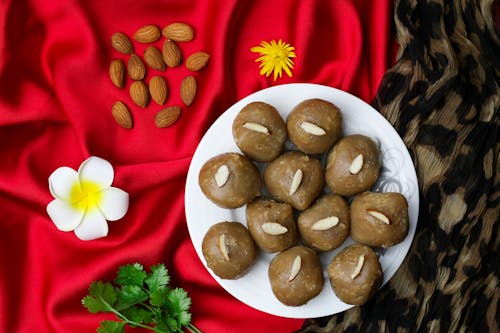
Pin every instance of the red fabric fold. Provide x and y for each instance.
(55, 102)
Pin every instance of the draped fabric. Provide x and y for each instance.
(55, 110)
(443, 97)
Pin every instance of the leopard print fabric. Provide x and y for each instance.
(443, 98)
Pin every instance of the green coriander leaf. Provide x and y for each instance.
(130, 295)
(184, 318)
(94, 305)
(157, 314)
(169, 324)
(158, 279)
(167, 311)
(163, 326)
(104, 290)
(101, 298)
(131, 275)
(178, 303)
(158, 297)
(178, 300)
(110, 326)
(139, 315)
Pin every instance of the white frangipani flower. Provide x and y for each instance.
(84, 200)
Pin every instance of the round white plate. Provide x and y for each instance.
(397, 175)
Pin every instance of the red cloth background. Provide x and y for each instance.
(55, 101)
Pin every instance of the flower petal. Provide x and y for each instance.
(113, 204)
(93, 226)
(258, 49)
(63, 214)
(96, 170)
(61, 182)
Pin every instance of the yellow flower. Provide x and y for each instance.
(275, 57)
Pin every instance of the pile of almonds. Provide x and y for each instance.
(170, 56)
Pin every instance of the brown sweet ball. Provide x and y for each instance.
(325, 225)
(314, 125)
(355, 274)
(230, 180)
(353, 165)
(271, 224)
(294, 178)
(259, 131)
(296, 276)
(379, 219)
(228, 249)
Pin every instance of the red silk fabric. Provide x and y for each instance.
(55, 102)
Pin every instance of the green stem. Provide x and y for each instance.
(131, 322)
(193, 329)
(128, 321)
(146, 306)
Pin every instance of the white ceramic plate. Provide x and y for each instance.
(397, 175)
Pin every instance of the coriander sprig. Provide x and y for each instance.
(141, 299)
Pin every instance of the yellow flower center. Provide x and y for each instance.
(279, 55)
(85, 195)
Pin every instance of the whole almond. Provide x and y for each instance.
(117, 72)
(158, 89)
(154, 59)
(122, 115)
(122, 43)
(188, 90)
(197, 61)
(136, 68)
(171, 53)
(139, 93)
(147, 34)
(180, 32)
(167, 117)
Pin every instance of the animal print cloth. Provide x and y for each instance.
(443, 98)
